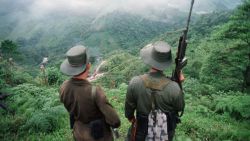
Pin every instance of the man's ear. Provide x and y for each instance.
(88, 66)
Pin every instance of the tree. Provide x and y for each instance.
(8, 49)
(239, 25)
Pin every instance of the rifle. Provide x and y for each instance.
(181, 60)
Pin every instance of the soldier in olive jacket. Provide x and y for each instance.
(88, 106)
(169, 97)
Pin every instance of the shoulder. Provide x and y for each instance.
(63, 86)
(97, 88)
(99, 92)
(65, 82)
(173, 88)
(135, 80)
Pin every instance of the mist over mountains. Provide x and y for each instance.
(19, 14)
(43, 26)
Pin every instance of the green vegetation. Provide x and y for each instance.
(217, 102)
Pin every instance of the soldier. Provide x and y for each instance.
(91, 114)
(168, 96)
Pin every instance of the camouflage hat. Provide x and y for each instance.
(157, 55)
(76, 61)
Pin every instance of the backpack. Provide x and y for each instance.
(157, 120)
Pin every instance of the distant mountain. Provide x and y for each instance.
(50, 33)
(53, 35)
(207, 6)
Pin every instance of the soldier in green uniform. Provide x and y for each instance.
(91, 114)
(169, 97)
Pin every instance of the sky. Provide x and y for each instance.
(44, 7)
(96, 5)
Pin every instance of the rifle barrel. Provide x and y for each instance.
(189, 16)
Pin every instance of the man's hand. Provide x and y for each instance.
(181, 78)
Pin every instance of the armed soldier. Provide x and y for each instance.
(91, 114)
(153, 90)
(157, 99)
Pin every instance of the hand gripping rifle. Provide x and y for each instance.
(181, 60)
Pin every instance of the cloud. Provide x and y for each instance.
(44, 7)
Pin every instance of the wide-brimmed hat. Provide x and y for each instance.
(157, 55)
(76, 61)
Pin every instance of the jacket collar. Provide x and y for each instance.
(156, 74)
(79, 81)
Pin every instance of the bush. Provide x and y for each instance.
(120, 68)
(55, 76)
(236, 104)
(224, 68)
(45, 121)
(196, 88)
(201, 120)
(20, 77)
(40, 106)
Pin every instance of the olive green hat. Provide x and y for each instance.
(157, 55)
(76, 61)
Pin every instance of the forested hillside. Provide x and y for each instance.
(216, 86)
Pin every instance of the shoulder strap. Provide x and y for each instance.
(93, 92)
(153, 102)
(154, 85)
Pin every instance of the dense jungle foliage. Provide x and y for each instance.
(216, 81)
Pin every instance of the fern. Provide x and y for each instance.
(45, 121)
(236, 105)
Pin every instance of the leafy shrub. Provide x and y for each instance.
(234, 103)
(196, 88)
(10, 124)
(55, 76)
(40, 106)
(120, 68)
(20, 77)
(224, 68)
(194, 70)
(200, 122)
(45, 121)
(5, 72)
(212, 127)
(12, 74)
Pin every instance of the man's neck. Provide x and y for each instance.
(153, 70)
(82, 76)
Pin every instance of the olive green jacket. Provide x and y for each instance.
(138, 98)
